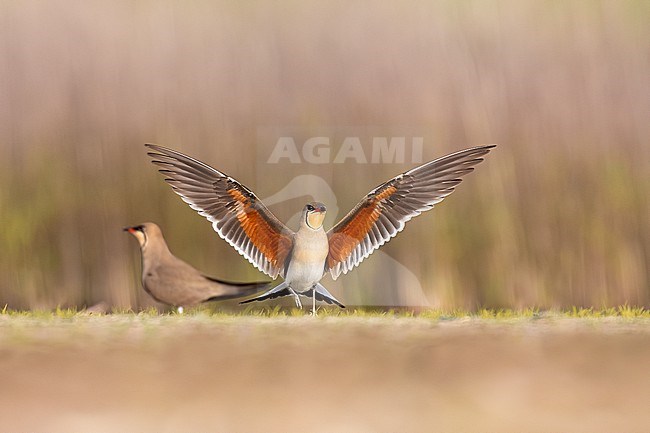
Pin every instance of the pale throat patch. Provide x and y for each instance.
(315, 220)
(140, 237)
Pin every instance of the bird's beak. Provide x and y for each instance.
(137, 233)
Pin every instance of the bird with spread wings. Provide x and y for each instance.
(304, 257)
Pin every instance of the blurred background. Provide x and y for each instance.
(558, 215)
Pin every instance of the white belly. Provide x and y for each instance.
(308, 260)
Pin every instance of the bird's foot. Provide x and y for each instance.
(179, 310)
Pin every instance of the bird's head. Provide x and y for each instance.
(314, 214)
(142, 232)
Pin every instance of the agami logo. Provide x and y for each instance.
(321, 150)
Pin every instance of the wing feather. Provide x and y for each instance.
(236, 214)
(386, 209)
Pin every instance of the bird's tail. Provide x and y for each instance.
(237, 289)
(283, 290)
(276, 292)
(323, 295)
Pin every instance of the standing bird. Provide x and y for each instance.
(171, 281)
(303, 258)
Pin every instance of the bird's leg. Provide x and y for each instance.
(313, 301)
(296, 298)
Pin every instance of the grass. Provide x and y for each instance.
(72, 329)
(623, 311)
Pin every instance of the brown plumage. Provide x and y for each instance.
(171, 281)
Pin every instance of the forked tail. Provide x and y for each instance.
(283, 290)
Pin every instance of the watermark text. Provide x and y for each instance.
(321, 150)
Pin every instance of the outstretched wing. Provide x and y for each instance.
(236, 214)
(384, 211)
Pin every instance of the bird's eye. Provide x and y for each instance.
(310, 207)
